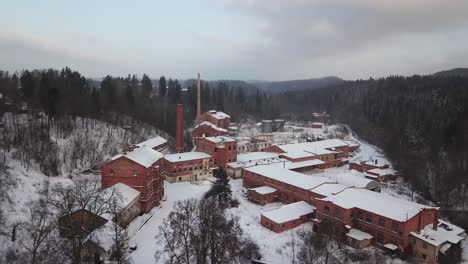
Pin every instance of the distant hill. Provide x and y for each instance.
(248, 87)
(297, 85)
(463, 72)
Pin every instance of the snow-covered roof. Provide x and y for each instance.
(288, 212)
(391, 246)
(124, 193)
(327, 189)
(352, 179)
(258, 162)
(220, 139)
(153, 142)
(264, 190)
(445, 232)
(253, 156)
(383, 172)
(358, 234)
(103, 236)
(351, 143)
(303, 164)
(378, 203)
(206, 123)
(378, 162)
(218, 114)
(144, 156)
(288, 176)
(315, 146)
(186, 156)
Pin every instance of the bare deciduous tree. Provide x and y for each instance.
(201, 232)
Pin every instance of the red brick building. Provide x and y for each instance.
(262, 195)
(333, 152)
(207, 129)
(317, 125)
(139, 169)
(222, 149)
(157, 143)
(291, 186)
(217, 118)
(375, 169)
(388, 220)
(188, 166)
(287, 216)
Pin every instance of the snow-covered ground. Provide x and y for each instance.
(144, 236)
(142, 231)
(272, 245)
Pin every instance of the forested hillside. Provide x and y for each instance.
(421, 122)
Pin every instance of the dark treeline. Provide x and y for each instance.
(67, 92)
(421, 122)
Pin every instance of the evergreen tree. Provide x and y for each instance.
(221, 190)
(146, 86)
(162, 86)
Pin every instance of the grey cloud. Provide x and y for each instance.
(301, 32)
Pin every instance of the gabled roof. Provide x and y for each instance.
(378, 203)
(288, 212)
(124, 194)
(288, 176)
(218, 114)
(215, 127)
(144, 156)
(153, 142)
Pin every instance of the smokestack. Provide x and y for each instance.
(198, 97)
(180, 128)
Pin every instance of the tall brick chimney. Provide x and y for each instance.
(198, 97)
(180, 128)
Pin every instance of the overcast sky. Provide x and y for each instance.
(236, 39)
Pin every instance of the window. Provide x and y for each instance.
(381, 222)
(359, 215)
(423, 256)
(368, 218)
(111, 172)
(180, 178)
(424, 245)
(135, 173)
(394, 227)
(327, 210)
(337, 213)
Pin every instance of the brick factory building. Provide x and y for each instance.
(207, 129)
(139, 169)
(334, 152)
(375, 169)
(188, 166)
(222, 149)
(262, 195)
(157, 143)
(290, 185)
(386, 219)
(216, 118)
(287, 216)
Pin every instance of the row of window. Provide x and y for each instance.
(369, 218)
(112, 172)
